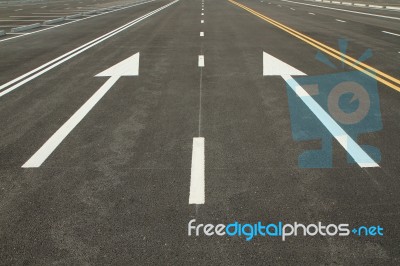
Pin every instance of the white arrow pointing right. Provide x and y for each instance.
(127, 67)
(275, 67)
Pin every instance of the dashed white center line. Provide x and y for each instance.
(202, 14)
(18, 10)
(292, 8)
(201, 60)
(391, 33)
(312, 14)
(202, 21)
(340, 20)
(43, 6)
(196, 195)
(201, 34)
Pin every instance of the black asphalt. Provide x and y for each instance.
(115, 192)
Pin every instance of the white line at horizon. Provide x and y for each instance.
(344, 10)
(391, 33)
(65, 57)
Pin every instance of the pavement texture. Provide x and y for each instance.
(115, 191)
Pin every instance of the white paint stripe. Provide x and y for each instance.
(34, 16)
(292, 8)
(391, 33)
(65, 57)
(312, 14)
(202, 21)
(340, 20)
(77, 20)
(355, 151)
(197, 182)
(54, 13)
(51, 144)
(201, 34)
(202, 14)
(344, 10)
(20, 20)
(201, 60)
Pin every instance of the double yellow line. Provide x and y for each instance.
(384, 78)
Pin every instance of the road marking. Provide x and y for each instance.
(344, 10)
(20, 20)
(54, 13)
(197, 180)
(201, 34)
(18, 10)
(292, 8)
(391, 33)
(202, 21)
(202, 9)
(312, 14)
(202, 14)
(43, 6)
(201, 60)
(19, 81)
(127, 67)
(274, 67)
(77, 20)
(374, 73)
(340, 20)
(34, 16)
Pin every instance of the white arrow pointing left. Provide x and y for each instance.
(127, 67)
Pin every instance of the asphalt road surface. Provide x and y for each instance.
(119, 128)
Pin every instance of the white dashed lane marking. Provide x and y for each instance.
(201, 60)
(196, 195)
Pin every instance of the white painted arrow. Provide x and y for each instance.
(275, 67)
(127, 67)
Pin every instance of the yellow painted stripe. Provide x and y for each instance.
(366, 69)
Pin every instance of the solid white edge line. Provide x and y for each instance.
(344, 10)
(197, 179)
(391, 33)
(61, 59)
(77, 20)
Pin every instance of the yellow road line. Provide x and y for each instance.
(380, 76)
